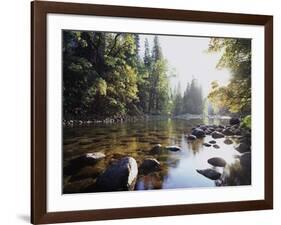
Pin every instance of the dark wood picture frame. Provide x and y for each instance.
(39, 11)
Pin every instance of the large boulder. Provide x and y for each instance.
(217, 161)
(199, 133)
(120, 176)
(217, 135)
(210, 173)
(149, 165)
(243, 147)
(234, 121)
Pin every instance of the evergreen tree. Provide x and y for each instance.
(192, 101)
(177, 100)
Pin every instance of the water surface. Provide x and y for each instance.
(178, 169)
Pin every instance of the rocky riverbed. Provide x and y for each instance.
(183, 156)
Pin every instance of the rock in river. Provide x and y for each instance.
(217, 135)
(234, 121)
(207, 145)
(210, 173)
(216, 146)
(199, 133)
(227, 132)
(212, 142)
(149, 165)
(88, 158)
(85, 142)
(228, 141)
(120, 176)
(173, 148)
(243, 147)
(216, 161)
(79, 162)
(191, 137)
(157, 149)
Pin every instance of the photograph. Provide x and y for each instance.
(154, 111)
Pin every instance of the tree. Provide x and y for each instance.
(147, 56)
(104, 76)
(177, 101)
(192, 101)
(99, 74)
(236, 56)
(158, 81)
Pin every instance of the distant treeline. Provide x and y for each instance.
(191, 101)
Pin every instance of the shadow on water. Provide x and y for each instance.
(178, 169)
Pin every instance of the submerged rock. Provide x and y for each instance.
(228, 141)
(79, 162)
(199, 133)
(210, 173)
(78, 186)
(216, 146)
(87, 172)
(120, 176)
(173, 148)
(217, 135)
(217, 161)
(207, 145)
(157, 149)
(85, 142)
(149, 165)
(88, 158)
(191, 137)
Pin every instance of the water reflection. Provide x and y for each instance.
(178, 169)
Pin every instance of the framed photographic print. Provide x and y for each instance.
(142, 112)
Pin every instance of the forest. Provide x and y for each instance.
(106, 76)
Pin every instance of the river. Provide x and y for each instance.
(178, 169)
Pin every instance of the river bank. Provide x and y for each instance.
(114, 120)
(144, 117)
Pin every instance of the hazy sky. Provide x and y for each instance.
(189, 58)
